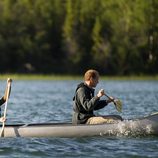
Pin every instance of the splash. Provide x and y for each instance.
(128, 128)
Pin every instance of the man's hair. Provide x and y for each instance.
(91, 74)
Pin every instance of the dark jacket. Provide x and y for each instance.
(2, 101)
(85, 103)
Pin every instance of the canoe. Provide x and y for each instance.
(144, 126)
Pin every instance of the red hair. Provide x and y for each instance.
(91, 74)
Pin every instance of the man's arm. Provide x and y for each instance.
(87, 104)
(3, 99)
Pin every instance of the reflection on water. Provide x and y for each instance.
(51, 101)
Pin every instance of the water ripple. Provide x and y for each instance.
(51, 101)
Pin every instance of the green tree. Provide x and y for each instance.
(152, 29)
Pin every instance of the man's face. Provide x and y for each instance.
(94, 81)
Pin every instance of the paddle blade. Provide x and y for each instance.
(118, 105)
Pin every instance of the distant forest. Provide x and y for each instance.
(116, 37)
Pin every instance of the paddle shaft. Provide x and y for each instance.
(5, 109)
(117, 103)
(109, 98)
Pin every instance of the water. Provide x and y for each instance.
(51, 101)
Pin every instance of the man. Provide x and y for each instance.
(3, 99)
(85, 102)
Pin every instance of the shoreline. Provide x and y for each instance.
(73, 77)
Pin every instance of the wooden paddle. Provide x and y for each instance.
(117, 103)
(5, 109)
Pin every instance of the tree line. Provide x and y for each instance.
(116, 37)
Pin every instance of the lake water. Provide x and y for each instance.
(51, 101)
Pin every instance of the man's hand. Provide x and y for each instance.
(9, 80)
(100, 93)
(2, 119)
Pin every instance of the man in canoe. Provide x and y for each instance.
(3, 99)
(85, 102)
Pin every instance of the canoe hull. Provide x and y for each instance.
(138, 127)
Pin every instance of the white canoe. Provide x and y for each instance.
(135, 127)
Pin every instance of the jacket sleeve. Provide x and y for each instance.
(87, 103)
(2, 101)
(101, 104)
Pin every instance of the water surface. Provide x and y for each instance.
(51, 101)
